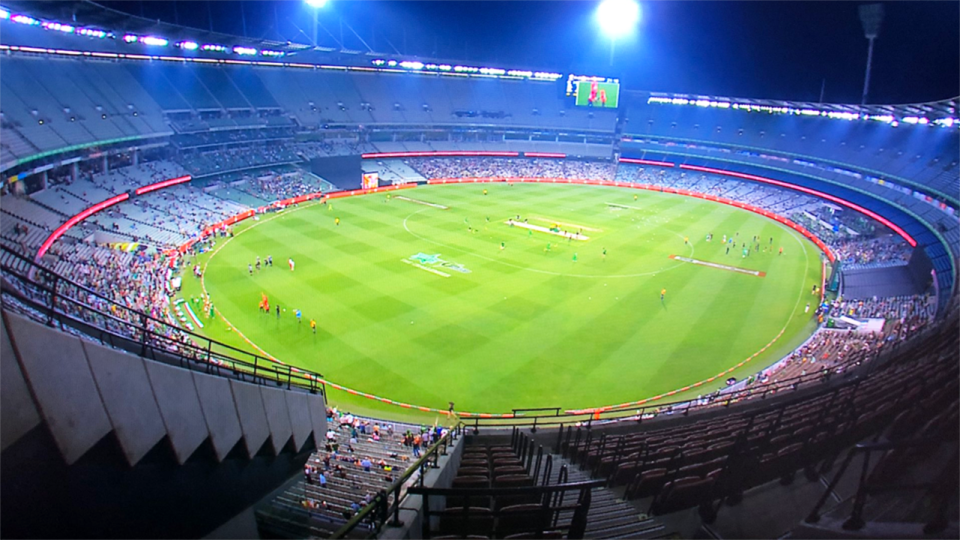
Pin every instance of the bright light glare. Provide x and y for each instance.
(618, 17)
(155, 41)
(316, 3)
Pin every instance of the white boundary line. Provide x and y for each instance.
(203, 277)
(793, 312)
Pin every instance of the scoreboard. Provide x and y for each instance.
(599, 92)
(370, 180)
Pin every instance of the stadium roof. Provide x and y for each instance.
(90, 13)
(93, 14)
(930, 111)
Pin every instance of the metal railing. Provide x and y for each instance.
(379, 511)
(64, 303)
(855, 367)
(549, 500)
(60, 302)
(942, 488)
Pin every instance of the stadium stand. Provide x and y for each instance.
(81, 131)
(360, 458)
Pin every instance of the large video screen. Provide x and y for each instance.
(600, 92)
(370, 180)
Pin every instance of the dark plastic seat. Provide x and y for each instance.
(513, 480)
(649, 483)
(549, 534)
(470, 521)
(471, 482)
(681, 494)
(522, 518)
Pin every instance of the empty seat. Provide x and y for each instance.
(466, 521)
(508, 469)
(549, 534)
(681, 494)
(522, 518)
(648, 483)
(471, 482)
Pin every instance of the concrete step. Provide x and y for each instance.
(610, 516)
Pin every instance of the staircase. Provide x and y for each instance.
(610, 516)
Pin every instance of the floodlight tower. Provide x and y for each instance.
(617, 18)
(871, 15)
(316, 5)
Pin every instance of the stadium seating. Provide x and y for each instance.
(243, 131)
(701, 461)
(346, 485)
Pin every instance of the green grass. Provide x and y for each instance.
(525, 327)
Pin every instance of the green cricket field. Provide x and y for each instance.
(531, 295)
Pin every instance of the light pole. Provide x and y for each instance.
(316, 5)
(617, 18)
(871, 16)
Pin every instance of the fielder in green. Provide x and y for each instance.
(547, 248)
(574, 257)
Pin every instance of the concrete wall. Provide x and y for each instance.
(100, 443)
(83, 391)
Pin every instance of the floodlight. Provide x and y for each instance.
(92, 32)
(316, 3)
(618, 17)
(154, 41)
(871, 16)
(23, 19)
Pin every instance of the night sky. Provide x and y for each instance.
(775, 50)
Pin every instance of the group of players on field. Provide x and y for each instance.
(265, 302)
(730, 243)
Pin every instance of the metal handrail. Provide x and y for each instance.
(262, 368)
(864, 487)
(551, 499)
(715, 401)
(480, 492)
(65, 303)
(380, 503)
